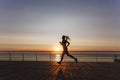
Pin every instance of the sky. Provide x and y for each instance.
(39, 24)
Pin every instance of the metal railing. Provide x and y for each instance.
(49, 56)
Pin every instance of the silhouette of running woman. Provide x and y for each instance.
(65, 45)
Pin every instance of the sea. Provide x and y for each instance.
(82, 56)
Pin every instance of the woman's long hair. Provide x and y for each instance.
(66, 37)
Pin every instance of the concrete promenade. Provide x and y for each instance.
(31, 70)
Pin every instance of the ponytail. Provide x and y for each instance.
(67, 37)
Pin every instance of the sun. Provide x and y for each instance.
(58, 48)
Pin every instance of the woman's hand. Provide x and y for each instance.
(61, 43)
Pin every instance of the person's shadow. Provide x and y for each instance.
(60, 75)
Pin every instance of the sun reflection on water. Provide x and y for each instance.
(57, 57)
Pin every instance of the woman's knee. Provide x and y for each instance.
(68, 54)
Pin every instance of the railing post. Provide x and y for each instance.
(23, 56)
(36, 56)
(96, 56)
(9, 56)
(50, 57)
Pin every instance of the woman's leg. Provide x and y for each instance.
(61, 58)
(71, 56)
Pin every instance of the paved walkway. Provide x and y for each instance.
(53, 71)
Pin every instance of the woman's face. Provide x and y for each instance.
(63, 37)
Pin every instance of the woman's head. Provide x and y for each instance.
(65, 37)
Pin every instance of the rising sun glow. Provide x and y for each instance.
(57, 57)
(58, 48)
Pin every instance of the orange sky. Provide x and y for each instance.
(58, 48)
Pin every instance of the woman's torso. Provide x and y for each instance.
(64, 42)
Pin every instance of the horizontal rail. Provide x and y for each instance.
(49, 56)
